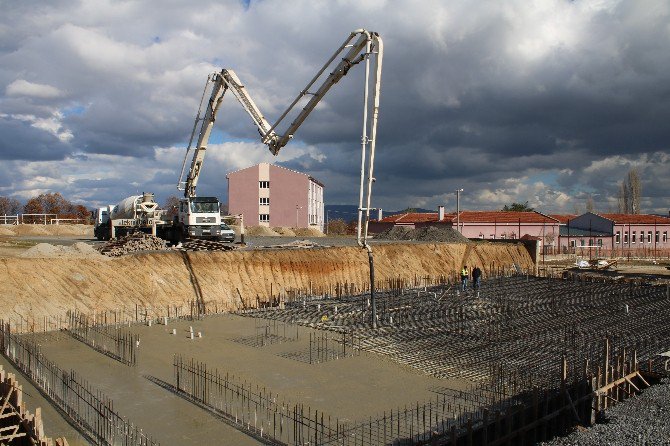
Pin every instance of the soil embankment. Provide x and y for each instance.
(34, 288)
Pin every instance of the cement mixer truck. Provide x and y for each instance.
(135, 213)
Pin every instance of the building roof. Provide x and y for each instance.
(412, 217)
(565, 231)
(563, 218)
(503, 217)
(471, 217)
(643, 219)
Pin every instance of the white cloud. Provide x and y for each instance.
(22, 87)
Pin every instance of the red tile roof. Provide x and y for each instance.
(503, 217)
(562, 218)
(642, 219)
(411, 217)
(471, 217)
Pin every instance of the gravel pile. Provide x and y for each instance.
(644, 420)
(426, 234)
(205, 245)
(136, 242)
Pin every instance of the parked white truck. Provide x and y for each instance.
(141, 213)
(132, 214)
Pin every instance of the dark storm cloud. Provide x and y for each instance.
(517, 101)
(22, 141)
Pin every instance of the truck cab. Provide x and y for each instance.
(199, 217)
(101, 226)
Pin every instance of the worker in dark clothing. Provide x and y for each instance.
(476, 278)
(464, 278)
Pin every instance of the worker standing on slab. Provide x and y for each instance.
(464, 278)
(476, 278)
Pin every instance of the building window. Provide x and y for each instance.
(264, 217)
(617, 237)
(649, 237)
(657, 233)
(634, 237)
(481, 235)
(582, 242)
(493, 236)
(625, 237)
(600, 242)
(264, 201)
(665, 236)
(264, 184)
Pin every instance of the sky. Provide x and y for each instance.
(549, 102)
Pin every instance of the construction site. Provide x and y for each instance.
(277, 346)
(160, 333)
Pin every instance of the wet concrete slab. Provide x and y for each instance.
(349, 389)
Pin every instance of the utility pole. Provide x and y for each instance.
(458, 209)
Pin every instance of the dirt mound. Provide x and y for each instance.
(39, 287)
(308, 232)
(425, 234)
(284, 231)
(46, 250)
(46, 230)
(260, 231)
(6, 231)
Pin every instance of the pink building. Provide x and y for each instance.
(616, 234)
(588, 234)
(270, 195)
(481, 224)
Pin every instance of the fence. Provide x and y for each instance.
(108, 340)
(87, 408)
(9, 219)
(252, 409)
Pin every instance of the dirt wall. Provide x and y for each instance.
(37, 288)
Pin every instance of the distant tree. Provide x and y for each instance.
(352, 227)
(409, 211)
(81, 212)
(337, 227)
(635, 191)
(9, 206)
(622, 205)
(630, 193)
(33, 206)
(518, 207)
(590, 206)
(224, 209)
(171, 206)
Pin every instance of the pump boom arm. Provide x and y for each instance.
(360, 44)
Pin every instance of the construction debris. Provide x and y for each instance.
(297, 244)
(140, 242)
(131, 243)
(426, 234)
(205, 245)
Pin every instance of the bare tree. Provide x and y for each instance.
(621, 199)
(9, 206)
(590, 207)
(634, 191)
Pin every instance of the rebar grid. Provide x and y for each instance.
(269, 332)
(506, 335)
